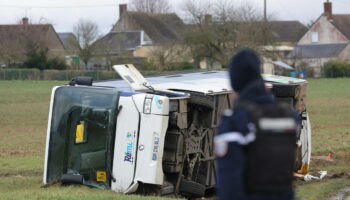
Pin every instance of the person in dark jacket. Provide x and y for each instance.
(249, 87)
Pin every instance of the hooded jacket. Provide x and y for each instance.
(232, 158)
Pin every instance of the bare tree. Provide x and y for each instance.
(164, 55)
(221, 27)
(150, 6)
(86, 33)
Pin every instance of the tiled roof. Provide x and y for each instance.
(114, 42)
(318, 50)
(18, 34)
(287, 31)
(160, 28)
(65, 37)
(342, 22)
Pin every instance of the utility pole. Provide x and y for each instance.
(265, 12)
(264, 31)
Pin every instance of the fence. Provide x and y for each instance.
(35, 74)
(65, 75)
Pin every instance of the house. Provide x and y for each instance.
(161, 36)
(116, 43)
(116, 47)
(327, 39)
(287, 32)
(154, 28)
(67, 39)
(142, 36)
(18, 40)
(285, 36)
(70, 44)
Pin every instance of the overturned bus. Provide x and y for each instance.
(151, 135)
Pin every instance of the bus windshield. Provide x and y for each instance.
(82, 134)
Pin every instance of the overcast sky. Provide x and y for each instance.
(63, 14)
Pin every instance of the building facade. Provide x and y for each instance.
(19, 40)
(327, 39)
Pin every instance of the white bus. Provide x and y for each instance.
(151, 135)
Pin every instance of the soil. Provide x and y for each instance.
(342, 195)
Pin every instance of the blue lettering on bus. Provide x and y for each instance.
(128, 154)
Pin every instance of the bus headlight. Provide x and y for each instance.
(147, 106)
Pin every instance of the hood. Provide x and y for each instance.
(256, 92)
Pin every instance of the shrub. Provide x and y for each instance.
(106, 75)
(334, 68)
(148, 65)
(39, 59)
(56, 63)
(182, 66)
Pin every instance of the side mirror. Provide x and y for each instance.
(81, 80)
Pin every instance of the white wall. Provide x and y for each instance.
(326, 31)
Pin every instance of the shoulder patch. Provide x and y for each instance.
(220, 147)
(228, 112)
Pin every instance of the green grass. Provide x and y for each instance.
(23, 122)
(329, 110)
(29, 188)
(321, 189)
(24, 109)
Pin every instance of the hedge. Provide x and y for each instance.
(19, 74)
(334, 69)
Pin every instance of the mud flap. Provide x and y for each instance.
(133, 187)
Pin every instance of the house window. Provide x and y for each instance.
(314, 37)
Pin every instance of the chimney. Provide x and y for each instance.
(123, 8)
(25, 21)
(207, 19)
(328, 10)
